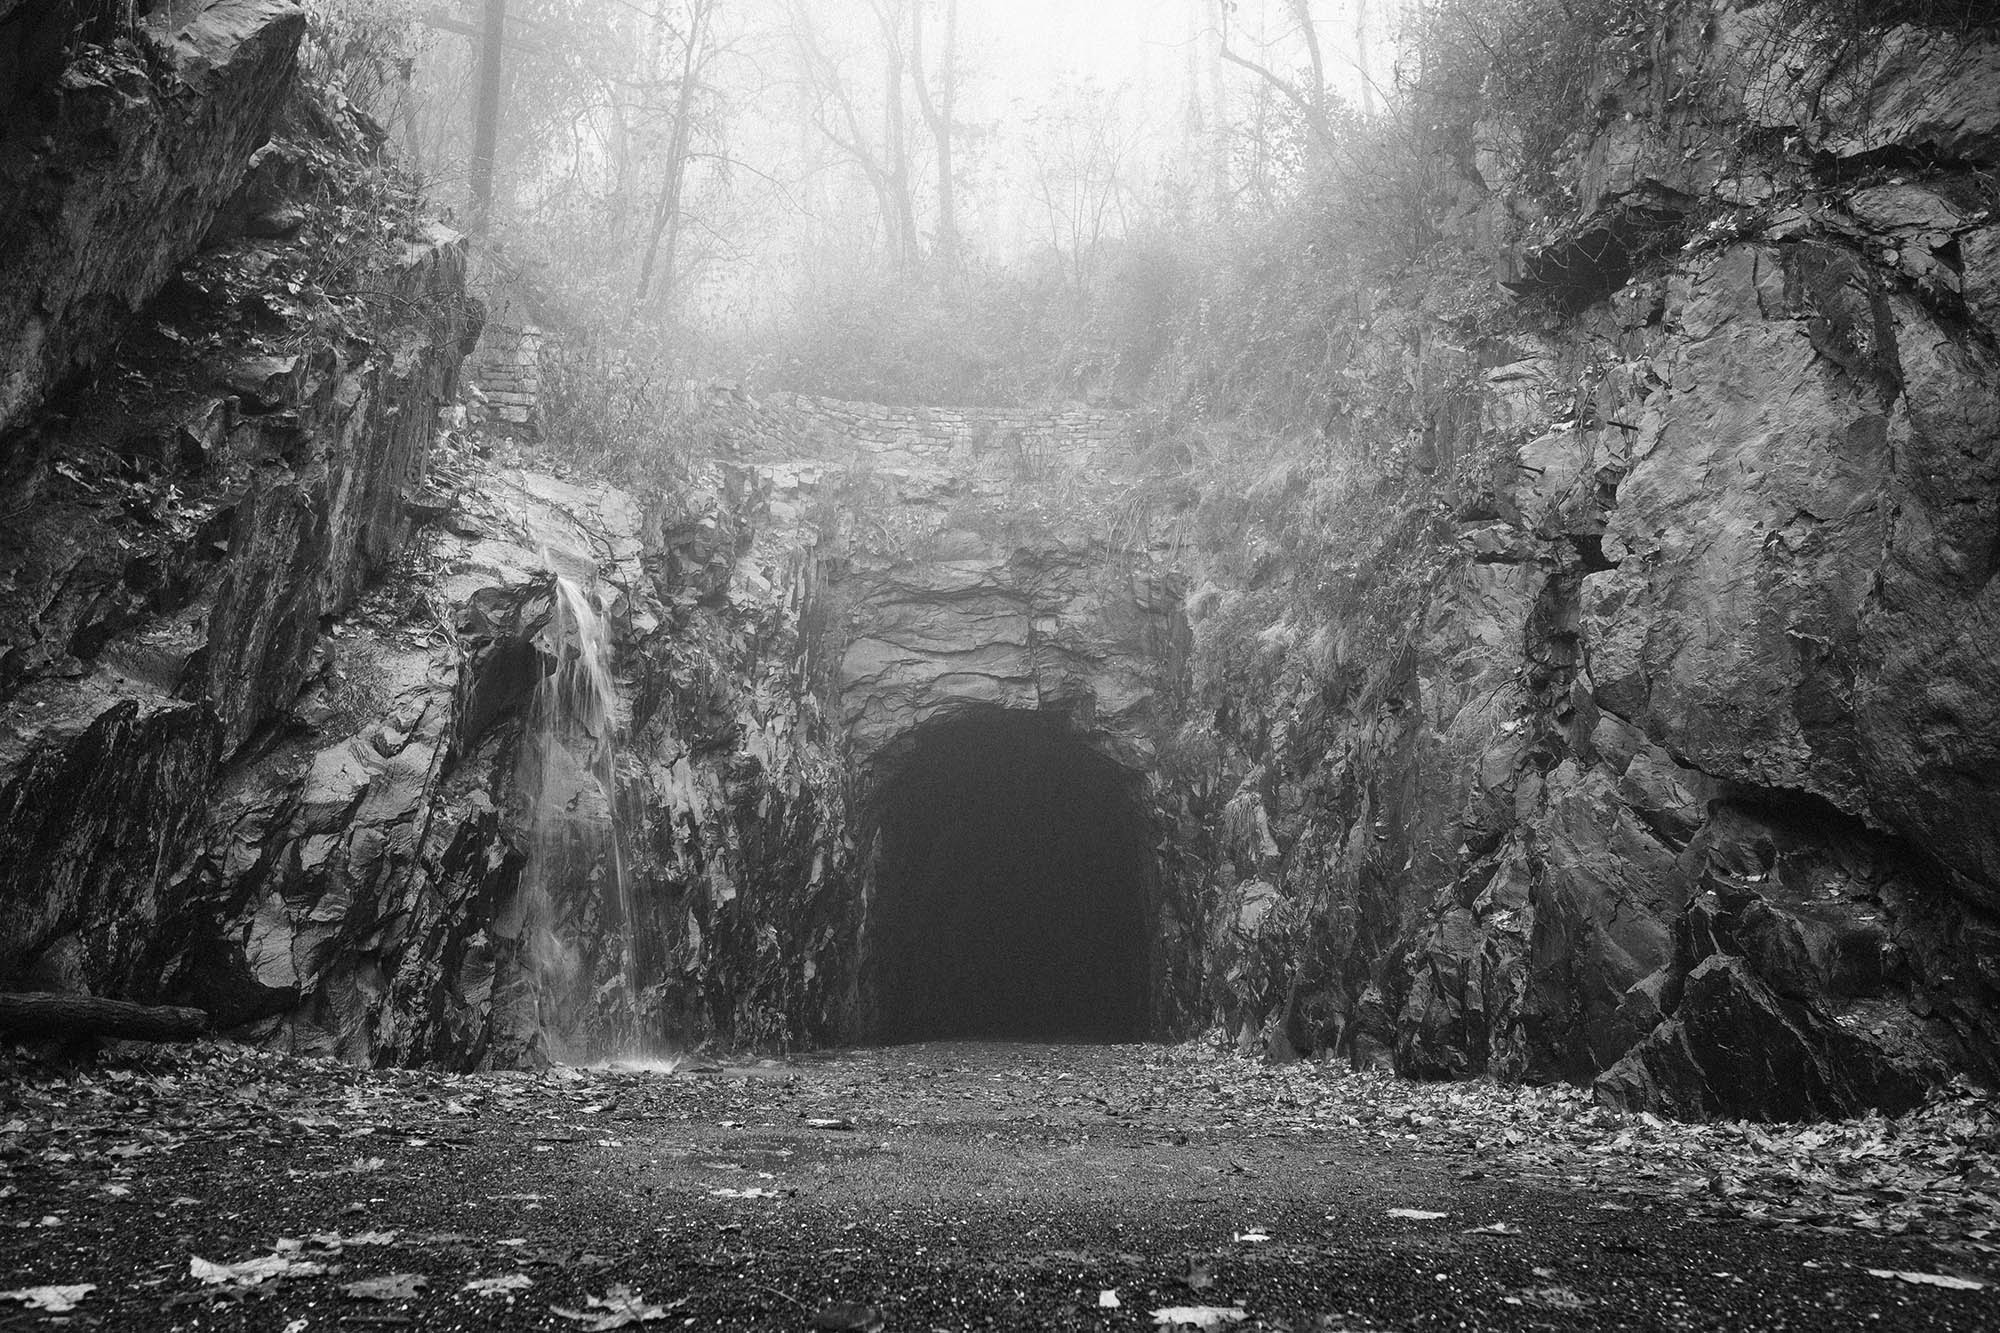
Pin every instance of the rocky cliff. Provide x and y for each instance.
(1669, 763)
(247, 454)
(1633, 720)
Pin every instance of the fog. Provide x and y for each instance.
(708, 167)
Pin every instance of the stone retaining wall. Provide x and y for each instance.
(797, 425)
(508, 370)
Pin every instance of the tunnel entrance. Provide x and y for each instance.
(1012, 886)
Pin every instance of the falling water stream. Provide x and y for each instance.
(576, 855)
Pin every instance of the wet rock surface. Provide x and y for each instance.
(1665, 735)
(1648, 742)
(957, 1184)
(112, 171)
(182, 529)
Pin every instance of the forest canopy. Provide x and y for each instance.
(911, 200)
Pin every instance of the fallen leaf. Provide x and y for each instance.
(754, 1192)
(388, 1287)
(1493, 1229)
(1930, 1279)
(1554, 1298)
(1108, 1299)
(819, 1122)
(1418, 1214)
(333, 1240)
(619, 1307)
(252, 1272)
(1200, 1316)
(56, 1300)
(499, 1286)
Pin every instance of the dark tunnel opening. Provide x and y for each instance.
(1012, 888)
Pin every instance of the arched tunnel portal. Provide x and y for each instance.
(1013, 886)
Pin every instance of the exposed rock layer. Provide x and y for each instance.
(1680, 766)
(1660, 753)
(112, 172)
(178, 537)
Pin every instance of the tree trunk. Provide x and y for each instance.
(937, 115)
(1316, 95)
(1362, 38)
(663, 238)
(48, 1014)
(896, 149)
(486, 114)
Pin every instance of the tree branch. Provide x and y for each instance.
(1315, 117)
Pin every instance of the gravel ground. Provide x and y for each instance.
(955, 1186)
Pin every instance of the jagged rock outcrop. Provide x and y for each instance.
(970, 561)
(113, 166)
(981, 558)
(179, 533)
(1677, 771)
(1656, 749)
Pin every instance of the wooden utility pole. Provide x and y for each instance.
(486, 114)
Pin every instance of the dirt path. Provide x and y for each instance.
(955, 1186)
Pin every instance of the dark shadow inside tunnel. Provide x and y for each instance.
(1012, 889)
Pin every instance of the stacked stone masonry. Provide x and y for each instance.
(508, 368)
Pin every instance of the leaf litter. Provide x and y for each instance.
(1932, 1174)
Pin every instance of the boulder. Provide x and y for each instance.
(1737, 1049)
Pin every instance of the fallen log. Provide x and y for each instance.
(50, 1014)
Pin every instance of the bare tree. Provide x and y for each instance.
(1308, 98)
(1308, 94)
(696, 40)
(1364, 40)
(937, 111)
(842, 120)
(1081, 179)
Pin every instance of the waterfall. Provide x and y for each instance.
(576, 859)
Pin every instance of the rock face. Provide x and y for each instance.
(429, 867)
(980, 561)
(978, 586)
(1654, 750)
(174, 545)
(1674, 767)
(113, 169)
(1736, 1048)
